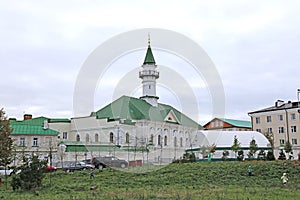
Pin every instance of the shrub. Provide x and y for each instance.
(240, 156)
(261, 155)
(281, 155)
(31, 174)
(270, 155)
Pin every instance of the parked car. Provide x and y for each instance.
(71, 167)
(50, 168)
(109, 161)
(89, 163)
(8, 171)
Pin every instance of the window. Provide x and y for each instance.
(65, 135)
(280, 129)
(175, 141)
(269, 119)
(35, 142)
(111, 137)
(77, 138)
(127, 138)
(270, 130)
(96, 137)
(159, 140)
(151, 139)
(87, 138)
(293, 116)
(293, 129)
(212, 124)
(257, 120)
(22, 142)
(281, 141)
(258, 130)
(166, 141)
(294, 141)
(181, 142)
(280, 117)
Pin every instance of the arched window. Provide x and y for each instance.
(87, 138)
(166, 141)
(181, 142)
(111, 137)
(96, 137)
(151, 139)
(127, 138)
(77, 138)
(175, 141)
(159, 140)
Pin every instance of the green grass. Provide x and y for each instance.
(214, 180)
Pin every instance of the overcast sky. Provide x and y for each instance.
(43, 45)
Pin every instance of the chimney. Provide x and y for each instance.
(46, 124)
(27, 116)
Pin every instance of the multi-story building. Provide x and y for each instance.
(228, 125)
(281, 122)
(33, 136)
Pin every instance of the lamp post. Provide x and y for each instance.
(62, 148)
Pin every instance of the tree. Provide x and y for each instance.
(225, 154)
(6, 143)
(212, 148)
(288, 147)
(261, 155)
(252, 149)
(236, 145)
(31, 174)
(240, 156)
(270, 155)
(281, 155)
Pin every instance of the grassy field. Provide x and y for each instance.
(213, 180)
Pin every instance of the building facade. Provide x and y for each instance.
(224, 124)
(281, 123)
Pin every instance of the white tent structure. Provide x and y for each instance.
(223, 140)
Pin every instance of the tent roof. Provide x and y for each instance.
(225, 138)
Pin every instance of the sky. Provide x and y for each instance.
(44, 44)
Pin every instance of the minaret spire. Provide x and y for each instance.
(149, 59)
(149, 74)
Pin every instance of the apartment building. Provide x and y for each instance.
(281, 122)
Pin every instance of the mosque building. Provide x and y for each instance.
(129, 128)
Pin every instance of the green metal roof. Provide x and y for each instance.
(130, 108)
(24, 129)
(39, 121)
(238, 123)
(149, 59)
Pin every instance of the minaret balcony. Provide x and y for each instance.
(149, 73)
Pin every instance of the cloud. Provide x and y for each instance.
(43, 45)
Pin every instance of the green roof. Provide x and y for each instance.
(39, 121)
(149, 59)
(131, 109)
(238, 123)
(24, 129)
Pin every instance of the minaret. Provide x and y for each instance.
(149, 74)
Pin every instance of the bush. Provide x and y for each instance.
(187, 158)
(261, 155)
(270, 155)
(31, 174)
(240, 156)
(281, 155)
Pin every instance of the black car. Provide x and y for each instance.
(109, 161)
(71, 167)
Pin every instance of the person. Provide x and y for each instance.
(250, 171)
(284, 178)
(92, 174)
(0, 180)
